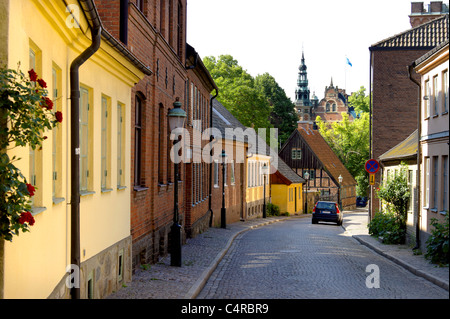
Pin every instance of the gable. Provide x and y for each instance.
(316, 154)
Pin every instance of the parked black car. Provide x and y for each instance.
(327, 212)
(361, 201)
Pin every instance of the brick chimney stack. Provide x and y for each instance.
(420, 14)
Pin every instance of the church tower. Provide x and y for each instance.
(302, 101)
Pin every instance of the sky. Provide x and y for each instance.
(269, 36)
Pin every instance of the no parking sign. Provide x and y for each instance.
(372, 166)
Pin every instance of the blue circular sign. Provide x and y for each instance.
(372, 166)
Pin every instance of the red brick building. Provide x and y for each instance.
(155, 31)
(332, 105)
(394, 99)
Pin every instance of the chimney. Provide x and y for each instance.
(419, 15)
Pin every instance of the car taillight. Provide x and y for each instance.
(337, 209)
(314, 209)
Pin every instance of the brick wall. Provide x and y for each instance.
(156, 45)
(395, 100)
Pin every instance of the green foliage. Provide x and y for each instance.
(238, 92)
(272, 210)
(387, 226)
(395, 192)
(25, 113)
(283, 114)
(391, 225)
(349, 140)
(438, 242)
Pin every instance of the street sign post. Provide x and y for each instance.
(372, 166)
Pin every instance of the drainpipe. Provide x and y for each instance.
(96, 29)
(419, 130)
(211, 138)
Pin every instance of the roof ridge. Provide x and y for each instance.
(411, 30)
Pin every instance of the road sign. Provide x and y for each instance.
(372, 166)
(371, 179)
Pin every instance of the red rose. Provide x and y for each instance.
(42, 83)
(59, 116)
(26, 218)
(33, 75)
(31, 189)
(48, 102)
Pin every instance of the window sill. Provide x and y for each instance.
(86, 193)
(107, 190)
(445, 113)
(140, 188)
(434, 210)
(443, 213)
(57, 200)
(119, 188)
(38, 210)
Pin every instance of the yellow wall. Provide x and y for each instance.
(281, 198)
(36, 261)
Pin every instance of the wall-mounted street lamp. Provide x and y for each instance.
(265, 171)
(306, 177)
(176, 117)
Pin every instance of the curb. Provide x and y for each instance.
(410, 268)
(201, 282)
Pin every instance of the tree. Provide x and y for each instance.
(283, 114)
(238, 92)
(350, 139)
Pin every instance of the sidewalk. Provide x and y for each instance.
(201, 255)
(355, 224)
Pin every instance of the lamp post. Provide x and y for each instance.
(265, 171)
(306, 177)
(340, 178)
(223, 211)
(176, 117)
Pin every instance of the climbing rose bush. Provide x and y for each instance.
(25, 114)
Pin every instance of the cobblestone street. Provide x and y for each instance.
(294, 259)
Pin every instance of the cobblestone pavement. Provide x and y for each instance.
(297, 260)
(201, 256)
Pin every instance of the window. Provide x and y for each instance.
(410, 186)
(140, 5)
(105, 144)
(426, 99)
(180, 30)
(216, 173)
(138, 142)
(334, 107)
(435, 182)
(35, 155)
(232, 173)
(327, 109)
(162, 17)
(445, 183)
(445, 91)
(56, 138)
(296, 153)
(426, 182)
(161, 145)
(120, 145)
(435, 95)
(85, 139)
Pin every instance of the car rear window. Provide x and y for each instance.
(323, 205)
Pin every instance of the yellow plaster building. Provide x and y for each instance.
(47, 36)
(287, 189)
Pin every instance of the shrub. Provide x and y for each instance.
(438, 242)
(389, 227)
(272, 210)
